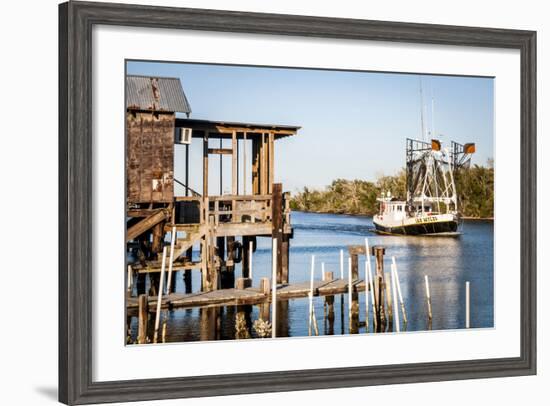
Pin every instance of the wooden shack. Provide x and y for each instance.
(150, 123)
(225, 226)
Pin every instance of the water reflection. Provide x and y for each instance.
(448, 262)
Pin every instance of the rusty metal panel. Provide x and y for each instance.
(156, 94)
(150, 157)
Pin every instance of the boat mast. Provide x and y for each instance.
(423, 127)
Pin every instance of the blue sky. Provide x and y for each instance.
(354, 124)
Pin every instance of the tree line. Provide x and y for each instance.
(475, 189)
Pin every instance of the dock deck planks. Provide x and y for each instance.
(252, 295)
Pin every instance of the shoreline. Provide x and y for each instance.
(469, 218)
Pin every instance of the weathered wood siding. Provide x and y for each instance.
(150, 157)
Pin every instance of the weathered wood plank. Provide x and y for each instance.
(147, 223)
(251, 295)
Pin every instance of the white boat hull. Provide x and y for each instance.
(436, 224)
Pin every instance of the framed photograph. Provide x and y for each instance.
(260, 202)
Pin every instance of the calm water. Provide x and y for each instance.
(449, 263)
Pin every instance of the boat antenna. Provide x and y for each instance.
(422, 109)
(433, 113)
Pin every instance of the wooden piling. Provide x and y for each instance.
(158, 237)
(277, 224)
(378, 252)
(388, 294)
(329, 304)
(246, 257)
(228, 276)
(130, 281)
(243, 283)
(354, 265)
(274, 289)
(143, 317)
(285, 249)
(265, 287)
(350, 284)
(171, 260)
(159, 295)
(250, 253)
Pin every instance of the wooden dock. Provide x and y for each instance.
(247, 296)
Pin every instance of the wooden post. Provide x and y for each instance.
(428, 297)
(130, 281)
(212, 270)
(171, 260)
(245, 258)
(352, 301)
(285, 248)
(250, 252)
(221, 168)
(243, 283)
(228, 277)
(378, 252)
(244, 163)
(188, 281)
(158, 237)
(143, 316)
(263, 166)
(205, 166)
(354, 265)
(329, 303)
(468, 304)
(204, 267)
(265, 286)
(219, 252)
(350, 284)
(398, 285)
(271, 159)
(159, 295)
(186, 169)
(274, 290)
(387, 288)
(256, 165)
(234, 165)
(277, 225)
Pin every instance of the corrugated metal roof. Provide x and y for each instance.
(156, 93)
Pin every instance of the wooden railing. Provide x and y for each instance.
(236, 209)
(240, 209)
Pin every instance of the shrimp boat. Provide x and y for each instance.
(431, 206)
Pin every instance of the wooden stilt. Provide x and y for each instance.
(277, 225)
(143, 317)
(159, 296)
(274, 290)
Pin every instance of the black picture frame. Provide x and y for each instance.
(76, 20)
